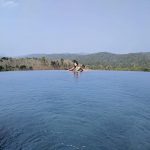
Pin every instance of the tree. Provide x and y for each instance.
(44, 60)
(23, 67)
(53, 63)
(1, 68)
(30, 68)
(5, 58)
(62, 61)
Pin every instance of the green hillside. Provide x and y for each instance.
(102, 60)
(108, 61)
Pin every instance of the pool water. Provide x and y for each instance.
(60, 110)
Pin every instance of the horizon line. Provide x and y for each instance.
(72, 53)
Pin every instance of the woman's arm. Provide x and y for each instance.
(71, 69)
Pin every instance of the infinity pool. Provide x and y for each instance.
(59, 110)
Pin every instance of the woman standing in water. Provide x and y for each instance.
(76, 67)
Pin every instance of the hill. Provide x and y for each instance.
(101, 60)
(54, 56)
(105, 60)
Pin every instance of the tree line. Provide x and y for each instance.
(100, 61)
(12, 64)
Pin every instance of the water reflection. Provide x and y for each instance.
(76, 74)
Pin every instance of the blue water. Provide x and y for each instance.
(59, 110)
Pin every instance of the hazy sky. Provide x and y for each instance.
(74, 26)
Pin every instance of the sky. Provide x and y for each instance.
(74, 26)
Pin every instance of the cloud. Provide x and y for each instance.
(8, 3)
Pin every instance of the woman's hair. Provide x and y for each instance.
(75, 61)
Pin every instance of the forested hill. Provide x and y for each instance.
(130, 61)
(109, 61)
(102, 60)
(54, 56)
(95, 57)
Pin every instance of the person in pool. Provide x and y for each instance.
(76, 67)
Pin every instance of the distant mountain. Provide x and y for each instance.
(101, 60)
(113, 59)
(104, 59)
(54, 56)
